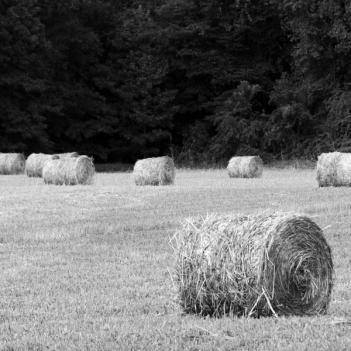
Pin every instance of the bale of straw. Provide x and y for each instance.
(334, 169)
(154, 171)
(245, 167)
(69, 171)
(258, 265)
(36, 162)
(12, 163)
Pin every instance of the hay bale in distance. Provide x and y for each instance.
(69, 171)
(36, 162)
(245, 167)
(12, 163)
(154, 171)
(334, 169)
(255, 265)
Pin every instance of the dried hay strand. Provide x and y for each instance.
(69, 171)
(245, 167)
(154, 171)
(36, 162)
(12, 163)
(258, 265)
(334, 169)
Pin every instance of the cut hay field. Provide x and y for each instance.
(88, 267)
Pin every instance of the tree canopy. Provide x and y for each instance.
(199, 79)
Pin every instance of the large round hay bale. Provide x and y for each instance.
(245, 167)
(69, 171)
(36, 162)
(154, 171)
(334, 169)
(255, 265)
(12, 163)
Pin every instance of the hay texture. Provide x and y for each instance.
(12, 163)
(68, 154)
(36, 162)
(154, 171)
(245, 167)
(259, 265)
(334, 169)
(69, 171)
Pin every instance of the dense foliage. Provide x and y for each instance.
(199, 79)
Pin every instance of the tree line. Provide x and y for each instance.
(199, 79)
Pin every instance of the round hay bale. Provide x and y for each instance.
(36, 162)
(69, 171)
(154, 171)
(245, 167)
(12, 163)
(334, 169)
(255, 265)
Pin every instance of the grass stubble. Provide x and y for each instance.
(90, 267)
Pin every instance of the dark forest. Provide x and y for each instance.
(201, 80)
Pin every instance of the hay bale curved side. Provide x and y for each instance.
(154, 171)
(69, 171)
(253, 265)
(327, 165)
(68, 154)
(3, 167)
(334, 169)
(12, 163)
(245, 167)
(35, 163)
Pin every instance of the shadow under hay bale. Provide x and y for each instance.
(69, 171)
(12, 163)
(36, 162)
(154, 171)
(334, 169)
(259, 265)
(245, 167)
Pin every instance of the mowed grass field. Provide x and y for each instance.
(89, 267)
